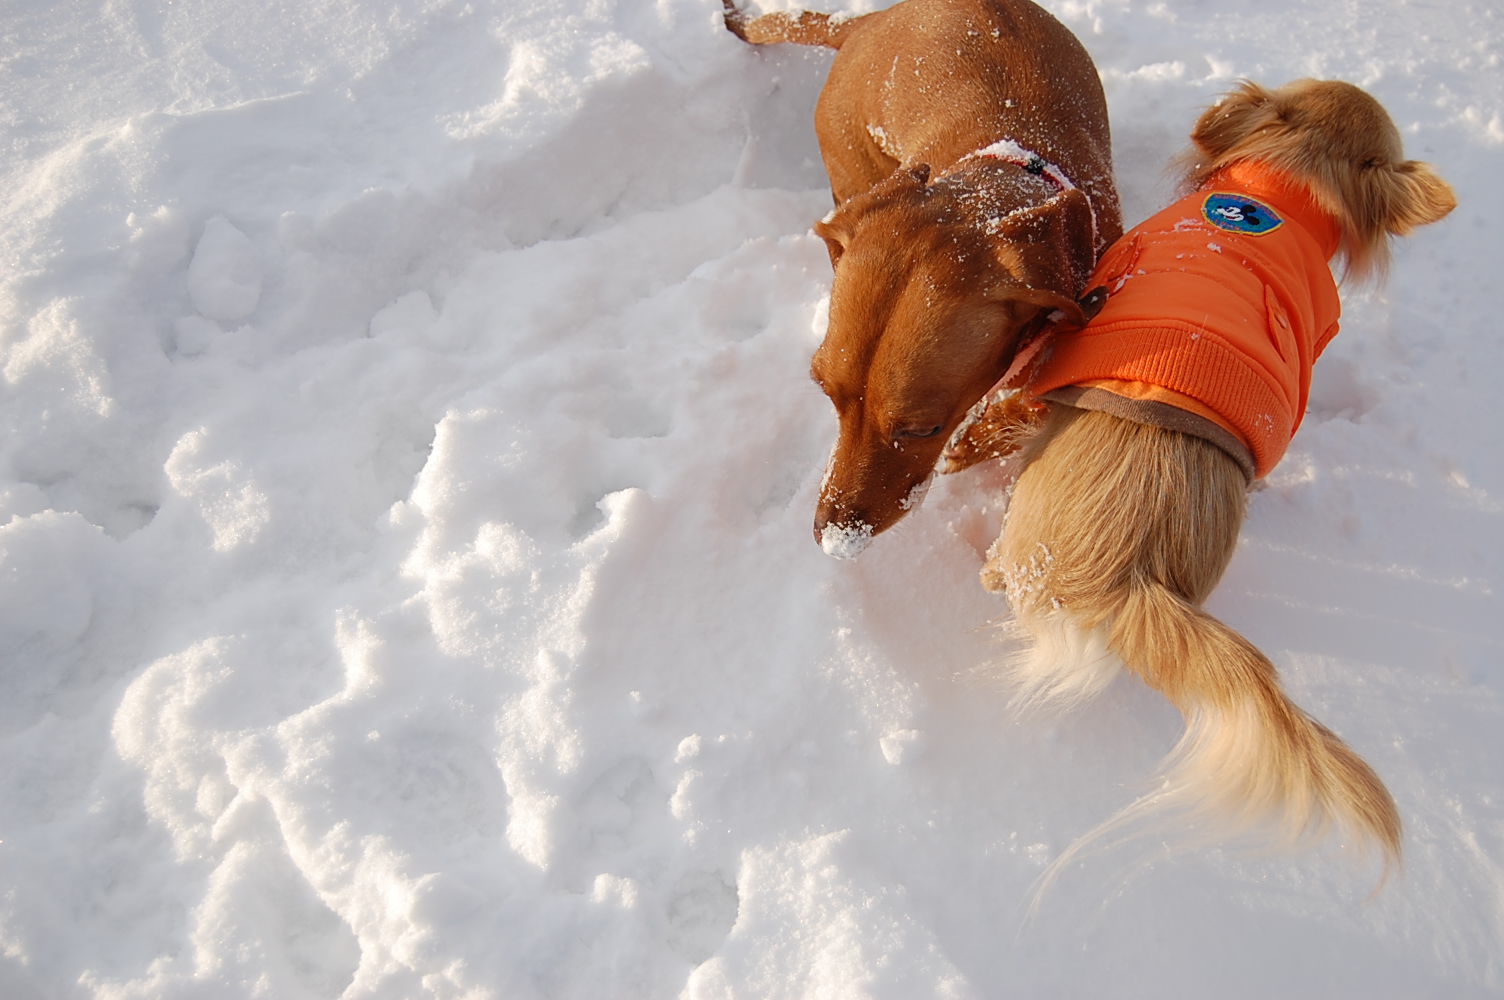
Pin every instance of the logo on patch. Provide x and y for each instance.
(1240, 214)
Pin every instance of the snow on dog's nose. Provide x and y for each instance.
(843, 541)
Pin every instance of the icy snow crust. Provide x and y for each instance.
(406, 583)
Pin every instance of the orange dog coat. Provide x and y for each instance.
(1217, 309)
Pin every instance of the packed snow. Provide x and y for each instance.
(406, 578)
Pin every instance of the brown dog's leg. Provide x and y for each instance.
(804, 28)
(1000, 430)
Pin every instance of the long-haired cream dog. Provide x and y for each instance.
(1155, 417)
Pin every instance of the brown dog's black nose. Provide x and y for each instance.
(825, 512)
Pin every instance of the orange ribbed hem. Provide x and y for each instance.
(1148, 392)
(1238, 396)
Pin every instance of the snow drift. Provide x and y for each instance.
(406, 585)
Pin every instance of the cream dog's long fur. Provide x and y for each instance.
(1117, 532)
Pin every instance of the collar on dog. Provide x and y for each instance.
(1011, 152)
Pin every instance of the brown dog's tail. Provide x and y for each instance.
(805, 28)
(1249, 755)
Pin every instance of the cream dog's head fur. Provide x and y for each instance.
(1337, 140)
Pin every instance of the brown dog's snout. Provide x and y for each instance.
(844, 524)
(838, 529)
(887, 485)
(844, 539)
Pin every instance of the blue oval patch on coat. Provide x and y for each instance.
(1240, 214)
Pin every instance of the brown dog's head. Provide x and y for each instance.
(927, 310)
(1340, 142)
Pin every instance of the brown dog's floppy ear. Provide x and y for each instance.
(1091, 303)
(1063, 310)
(1413, 195)
(1051, 244)
(834, 235)
(837, 227)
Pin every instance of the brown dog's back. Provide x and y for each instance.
(903, 92)
(968, 150)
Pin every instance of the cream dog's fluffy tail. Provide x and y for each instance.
(1250, 759)
(1115, 534)
(1249, 755)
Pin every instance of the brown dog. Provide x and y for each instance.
(1187, 384)
(968, 151)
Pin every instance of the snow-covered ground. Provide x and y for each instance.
(406, 581)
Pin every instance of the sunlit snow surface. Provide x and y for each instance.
(406, 581)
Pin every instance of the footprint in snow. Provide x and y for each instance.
(224, 276)
(701, 913)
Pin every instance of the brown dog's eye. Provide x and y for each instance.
(916, 432)
(1371, 163)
